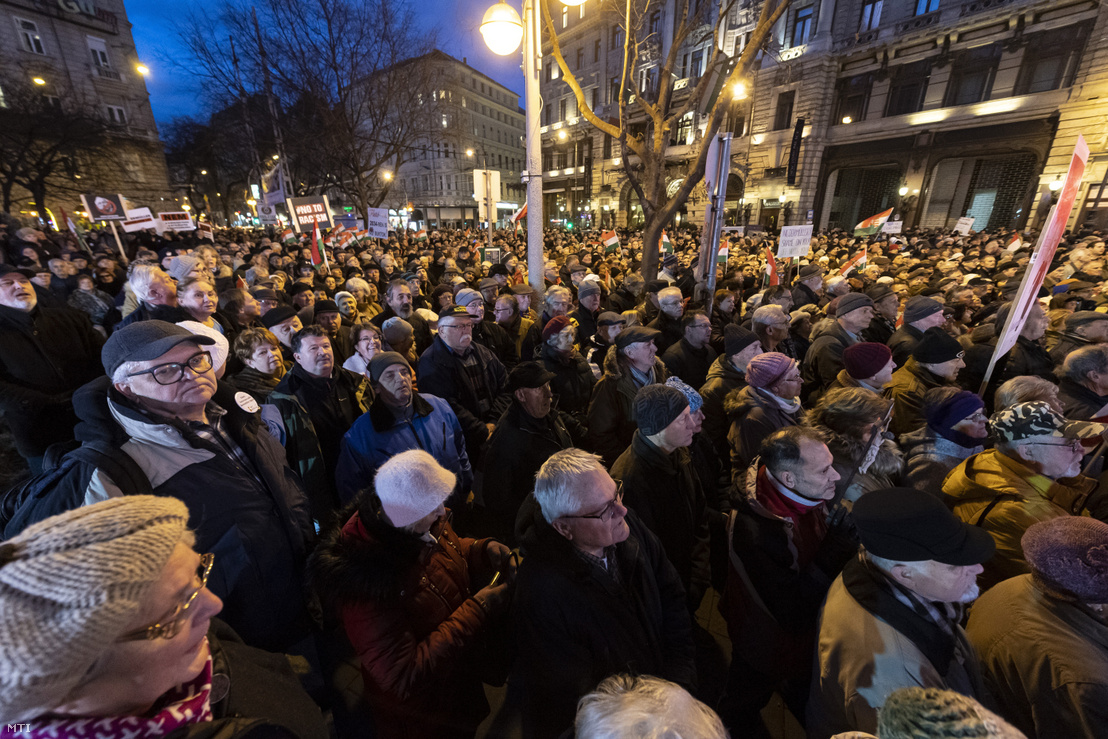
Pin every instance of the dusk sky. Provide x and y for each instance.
(173, 94)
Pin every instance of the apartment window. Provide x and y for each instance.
(546, 115)
(580, 57)
(851, 98)
(696, 67)
(908, 88)
(684, 130)
(581, 10)
(926, 6)
(99, 51)
(802, 25)
(971, 76)
(613, 91)
(655, 22)
(116, 115)
(565, 16)
(607, 151)
(1050, 59)
(783, 118)
(28, 31)
(596, 51)
(871, 15)
(594, 98)
(562, 109)
(648, 81)
(615, 37)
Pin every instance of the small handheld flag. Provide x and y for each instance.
(611, 241)
(872, 224)
(858, 261)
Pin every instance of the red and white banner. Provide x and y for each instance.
(1041, 257)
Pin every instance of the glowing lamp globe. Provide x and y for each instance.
(502, 29)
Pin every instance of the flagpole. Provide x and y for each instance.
(118, 242)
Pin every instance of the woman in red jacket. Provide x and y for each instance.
(416, 600)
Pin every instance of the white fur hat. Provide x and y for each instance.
(411, 485)
(220, 350)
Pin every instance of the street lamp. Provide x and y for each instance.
(903, 191)
(38, 81)
(1055, 184)
(469, 152)
(203, 171)
(503, 31)
(740, 91)
(142, 69)
(387, 176)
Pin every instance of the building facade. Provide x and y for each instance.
(82, 53)
(935, 108)
(482, 128)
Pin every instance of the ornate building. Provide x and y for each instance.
(80, 54)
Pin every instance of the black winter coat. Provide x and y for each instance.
(824, 361)
(518, 447)
(1079, 403)
(574, 626)
(689, 363)
(903, 342)
(420, 328)
(611, 419)
(665, 493)
(440, 373)
(573, 381)
(671, 329)
(44, 356)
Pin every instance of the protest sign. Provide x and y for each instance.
(964, 224)
(104, 207)
(205, 231)
(176, 220)
(267, 215)
(139, 219)
(795, 241)
(306, 212)
(892, 227)
(377, 222)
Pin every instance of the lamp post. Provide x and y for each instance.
(490, 202)
(503, 30)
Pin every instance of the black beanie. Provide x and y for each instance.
(657, 406)
(937, 346)
(737, 338)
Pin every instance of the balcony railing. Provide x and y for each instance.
(107, 74)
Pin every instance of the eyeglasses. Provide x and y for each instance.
(172, 372)
(979, 416)
(172, 627)
(370, 339)
(1074, 444)
(463, 327)
(607, 511)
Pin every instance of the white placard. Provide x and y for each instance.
(892, 227)
(267, 214)
(737, 230)
(965, 223)
(795, 241)
(377, 222)
(176, 220)
(139, 219)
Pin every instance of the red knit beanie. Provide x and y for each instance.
(866, 359)
(766, 369)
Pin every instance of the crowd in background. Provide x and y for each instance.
(398, 453)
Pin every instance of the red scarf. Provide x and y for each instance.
(186, 704)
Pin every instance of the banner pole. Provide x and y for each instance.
(117, 241)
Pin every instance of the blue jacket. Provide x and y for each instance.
(377, 436)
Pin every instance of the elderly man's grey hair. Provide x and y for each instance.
(1087, 359)
(556, 484)
(769, 314)
(554, 291)
(1025, 389)
(142, 276)
(645, 707)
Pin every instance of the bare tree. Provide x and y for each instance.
(648, 115)
(355, 101)
(47, 143)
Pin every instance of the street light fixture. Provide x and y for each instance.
(562, 135)
(847, 119)
(502, 29)
(276, 157)
(1056, 184)
(903, 191)
(203, 171)
(469, 152)
(38, 80)
(387, 175)
(740, 91)
(142, 69)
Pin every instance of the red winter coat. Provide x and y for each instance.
(407, 608)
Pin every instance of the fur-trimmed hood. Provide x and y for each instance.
(367, 559)
(849, 451)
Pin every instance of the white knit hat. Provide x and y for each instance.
(69, 587)
(220, 350)
(411, 485)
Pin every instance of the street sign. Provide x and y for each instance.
(377, 222)
(795, 241)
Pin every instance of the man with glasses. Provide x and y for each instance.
(595, 596)
(195, 439)
(1033, 474)
(466, 375)
(671, 308)
(692, 357)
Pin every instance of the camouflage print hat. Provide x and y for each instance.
(1036, 418)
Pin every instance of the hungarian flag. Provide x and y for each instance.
(519, 215)
(611, 241)
(345, 239)
(724, 251)
(772, 278)
(665, 246)
(288, 237)
(421, 235)
(858, 261)
(339, 228)
(1014, 243)
(872, 224)
(319, 256)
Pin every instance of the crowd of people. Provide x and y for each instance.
(250, 464)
